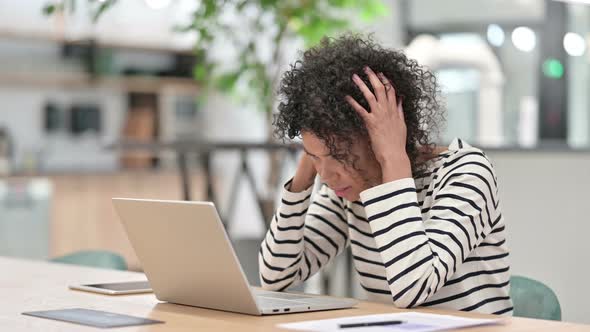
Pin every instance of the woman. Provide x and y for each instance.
(423, 222)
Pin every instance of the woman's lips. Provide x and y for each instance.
(341, 191)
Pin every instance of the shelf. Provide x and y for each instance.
(146, 84)
(101, 44)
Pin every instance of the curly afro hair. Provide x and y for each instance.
(312, 95)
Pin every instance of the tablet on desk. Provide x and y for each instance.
(116, 288)
(95, 318)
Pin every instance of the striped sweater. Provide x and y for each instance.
(437, 240)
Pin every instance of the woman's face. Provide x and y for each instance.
(346, 181)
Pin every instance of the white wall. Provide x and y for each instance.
(544, 199)
(578, 69)
(429, 14)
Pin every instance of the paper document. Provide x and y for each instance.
(397, 322)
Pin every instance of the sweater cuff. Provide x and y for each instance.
(389, 188)
(293, 197)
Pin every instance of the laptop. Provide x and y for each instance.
(188, 259)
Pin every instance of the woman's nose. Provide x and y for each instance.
(327, 172)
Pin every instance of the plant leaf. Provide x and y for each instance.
(49, 9)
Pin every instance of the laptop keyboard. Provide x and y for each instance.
(279, 300)
(266, 302)
(283, 296)
(276, 299)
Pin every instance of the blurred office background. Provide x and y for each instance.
(515, 75)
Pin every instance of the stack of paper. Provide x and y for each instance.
(397, 322)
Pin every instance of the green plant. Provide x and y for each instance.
(281, 21)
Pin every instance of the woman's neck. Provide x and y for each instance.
(430, 152)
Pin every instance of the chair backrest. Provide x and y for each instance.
(94, 258)
(533, 299)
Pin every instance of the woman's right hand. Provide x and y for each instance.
(304, 175)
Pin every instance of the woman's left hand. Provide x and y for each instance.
(385, 124)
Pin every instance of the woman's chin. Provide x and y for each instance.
(351, 197)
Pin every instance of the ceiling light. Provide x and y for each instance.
(574, 44)
(524, 39)
(495, 35)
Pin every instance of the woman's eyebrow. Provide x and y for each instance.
(313, 155)
(309, 153)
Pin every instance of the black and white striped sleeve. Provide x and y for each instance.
(421, 249)
(304, 235)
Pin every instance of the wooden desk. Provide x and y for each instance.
(31, 286)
